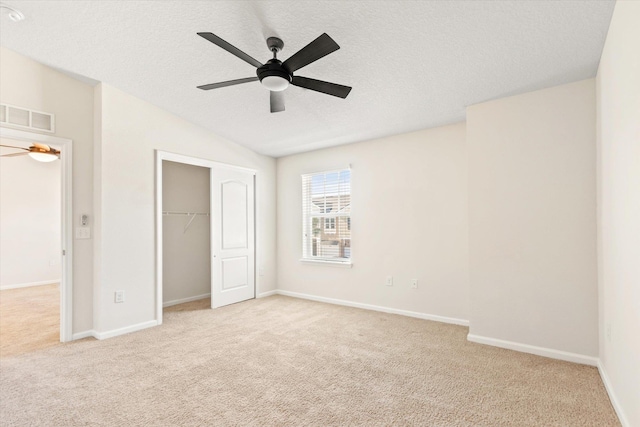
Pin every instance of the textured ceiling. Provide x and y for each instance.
(411, 64)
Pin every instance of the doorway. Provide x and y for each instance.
(38, 279)
(225, 209)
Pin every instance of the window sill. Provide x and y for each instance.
(340, 264)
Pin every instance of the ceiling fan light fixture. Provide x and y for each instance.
(275, 83)
(273, 76)
(43, 157)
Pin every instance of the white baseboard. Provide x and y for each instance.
(266, 294)
(532, 349)
(424, 316)
(126, 330)
(29, 284)
(612, 396)
(183, 300)
(84, 334)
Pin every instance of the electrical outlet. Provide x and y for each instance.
(261, 271)
(119, 296)
(389, 280)
(414, 283)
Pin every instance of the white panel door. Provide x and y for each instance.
(232, 236)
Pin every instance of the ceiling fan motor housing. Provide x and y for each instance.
(273, 68)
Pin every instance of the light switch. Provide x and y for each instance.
(83, 233)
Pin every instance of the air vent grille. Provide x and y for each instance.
(25, 118)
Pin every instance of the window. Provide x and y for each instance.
(326, 216)
(330, 225)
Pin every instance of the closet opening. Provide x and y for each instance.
(205, 233)
(186, 229)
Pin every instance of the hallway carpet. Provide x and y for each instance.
(29, 319)
(281, 361)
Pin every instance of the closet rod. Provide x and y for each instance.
(184, 213)
(193, 216)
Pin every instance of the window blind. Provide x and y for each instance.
(326, 216)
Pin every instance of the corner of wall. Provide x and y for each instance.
(618, 178)
(97, 205)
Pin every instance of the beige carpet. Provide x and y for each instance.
(281, 361)
(29, 319)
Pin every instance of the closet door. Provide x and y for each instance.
(232, 236)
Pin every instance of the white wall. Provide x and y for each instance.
(618, 93)
(532, 219)
(26, 83)
(186, 254)
(130, 130)
(409, 220)
(29, 220)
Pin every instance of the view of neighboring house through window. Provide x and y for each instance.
(326, 216)
(329, 225)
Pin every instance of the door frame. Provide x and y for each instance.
(194, 161)
(65, 146)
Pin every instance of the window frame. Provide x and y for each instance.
(308, 219)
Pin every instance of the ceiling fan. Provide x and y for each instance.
(276, 75)
(39, 152)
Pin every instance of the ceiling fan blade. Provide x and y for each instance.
(230, 48)
(11, 146)
(277, 101)
(228, 83)
(320, 47)
(320, 86)
(14, 154)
